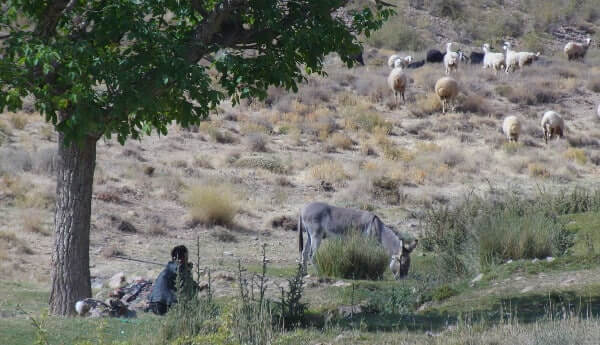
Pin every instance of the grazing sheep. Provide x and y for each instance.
(516, 60)
(476, 58)
(552, 124)
(527, 58)
(416, 64)
(398, 81)
(446, 89)
(451, 59)
(512, 128)
(577, 51)
(403, 63)
(392, 60)
(492, 60)
(435, 56)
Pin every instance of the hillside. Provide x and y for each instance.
(340, 139)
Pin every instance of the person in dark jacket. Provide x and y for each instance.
(164, 290)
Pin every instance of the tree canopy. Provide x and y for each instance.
(128, 67)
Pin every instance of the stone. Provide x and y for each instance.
(127, 227)
(341, 283)
(117, 281)
(478, 278)
(527, 289)
(534, 260)
(509, 261)
(348, 310)
(227, 254)
(550, 259)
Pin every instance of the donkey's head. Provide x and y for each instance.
(400, 263)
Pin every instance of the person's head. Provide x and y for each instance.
(179, 253)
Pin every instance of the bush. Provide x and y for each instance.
(273, 165)
(352, 257)
(519, 233)
(481, 232)
(212, 204)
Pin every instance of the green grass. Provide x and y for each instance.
(352, 257)
(586, 227)
(16, 327)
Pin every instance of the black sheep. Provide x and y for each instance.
(434, 55)
(416, 64)
(476, 58)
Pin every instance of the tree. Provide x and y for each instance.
(129, 67)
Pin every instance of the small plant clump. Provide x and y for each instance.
(352, 257)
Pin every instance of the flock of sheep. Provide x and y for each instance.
(447, 88)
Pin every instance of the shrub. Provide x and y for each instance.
(577, 155)
(426, 105)
(212, 204)
(453, 9)
(398, 34)
(352, 257)
(329, 171)
(443, 292)
(271, 164)
(537, 170)
(256, 142)
(341, 141)
(481, 232)
(366, 120)
(519, 232)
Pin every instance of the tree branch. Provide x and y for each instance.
(47, 26)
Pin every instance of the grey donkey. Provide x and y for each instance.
(321, 220)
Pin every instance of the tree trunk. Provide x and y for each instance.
(70, 258)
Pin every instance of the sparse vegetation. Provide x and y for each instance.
(329, 171)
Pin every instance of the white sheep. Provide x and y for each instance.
(493, 60)
(394, 60)
(451, 59)
(511, 128)
(552, 125)
(516, 60)
(398, 81)
(446, 89)
(575, 51)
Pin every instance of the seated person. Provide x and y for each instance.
(164, 290)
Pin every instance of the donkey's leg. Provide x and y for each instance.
(316, 242)
(307, 248)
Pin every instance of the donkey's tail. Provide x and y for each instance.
(300, 237)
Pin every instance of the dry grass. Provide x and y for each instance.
(577, 155)
(426, 105)
(256, 142)
(329, 171)
(538, 170)
(212, 204)
(593, 83)
(272, 164)
(33, 223)
(341, 141)
(11, 243)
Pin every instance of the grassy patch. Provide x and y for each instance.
(351, 257)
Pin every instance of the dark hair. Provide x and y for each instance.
(179, 252)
